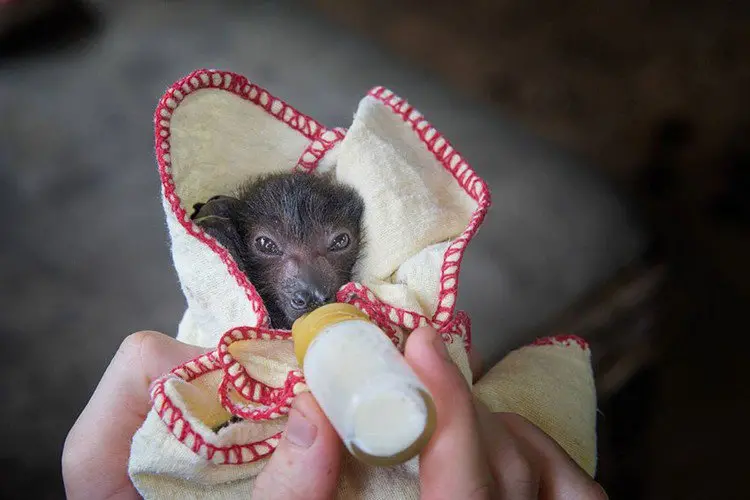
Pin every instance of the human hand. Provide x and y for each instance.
(487, 455)
(475, 454)
(96, 451)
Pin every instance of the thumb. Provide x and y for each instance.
(456, 445)
(306, 462)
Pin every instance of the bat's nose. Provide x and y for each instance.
(300, 299)
(309, 297)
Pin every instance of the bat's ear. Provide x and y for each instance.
(222, 207)
(220, 217)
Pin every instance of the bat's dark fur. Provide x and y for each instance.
(296, 236)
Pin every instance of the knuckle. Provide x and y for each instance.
(515, 463)
(137, 348)
(137, 339)
(518, 474)
(137, 342)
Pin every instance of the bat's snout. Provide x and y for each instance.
(309, 298)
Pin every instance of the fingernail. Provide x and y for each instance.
(437, 341)
(299, 431)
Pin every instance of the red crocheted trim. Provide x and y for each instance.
(263, 401)
(390, 319)
(393, 320)
(322, 141)
(473, 185)
(562, 340)
(460, 327)
(445, 319)
(181, 429)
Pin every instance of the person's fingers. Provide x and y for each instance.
(475, 364)
(306, 463)
(453, 464)
(96, 450)
(516, 473)
(560, 476)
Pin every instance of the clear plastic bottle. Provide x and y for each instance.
(375, 402)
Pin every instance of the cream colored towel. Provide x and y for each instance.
(423, 204)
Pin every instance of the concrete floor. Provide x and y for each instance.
(84, 255)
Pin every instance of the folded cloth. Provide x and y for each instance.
(423, 204)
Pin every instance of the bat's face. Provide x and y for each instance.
(300, 274)
(296, 236)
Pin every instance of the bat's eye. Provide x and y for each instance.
(340, 242)
(267, 245)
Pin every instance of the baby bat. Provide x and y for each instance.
(296, 236)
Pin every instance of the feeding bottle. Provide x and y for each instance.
(375, 402)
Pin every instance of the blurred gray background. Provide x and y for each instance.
(84, 257)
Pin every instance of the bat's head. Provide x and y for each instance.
(296, 236)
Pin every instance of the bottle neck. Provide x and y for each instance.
(307, 327)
